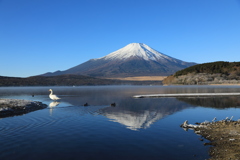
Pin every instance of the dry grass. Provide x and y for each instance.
(142, 78)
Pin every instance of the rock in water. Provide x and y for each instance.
(11, 107)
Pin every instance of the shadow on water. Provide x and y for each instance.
(213, 102)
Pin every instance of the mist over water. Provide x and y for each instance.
(146, 128)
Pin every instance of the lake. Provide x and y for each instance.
(134, 129)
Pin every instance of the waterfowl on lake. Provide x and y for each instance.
(53, 96)
(113, 104)
(86, 104)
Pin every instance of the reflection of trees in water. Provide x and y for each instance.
(213, 102)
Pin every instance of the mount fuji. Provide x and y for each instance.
(135, 59)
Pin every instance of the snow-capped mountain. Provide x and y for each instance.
(135, 59)
(136, 50)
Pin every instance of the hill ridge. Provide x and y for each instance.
(220, 72)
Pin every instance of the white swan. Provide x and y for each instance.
(53, 96)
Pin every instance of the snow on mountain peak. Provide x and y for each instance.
(136, 50)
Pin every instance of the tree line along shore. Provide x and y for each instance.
(206, 74)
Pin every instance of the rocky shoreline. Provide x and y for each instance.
(224, 137)
(12, 107)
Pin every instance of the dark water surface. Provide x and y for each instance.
(135, 129)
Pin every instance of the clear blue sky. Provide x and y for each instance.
(38, 36)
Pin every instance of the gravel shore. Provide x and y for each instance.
(12, 107)
(224, 137)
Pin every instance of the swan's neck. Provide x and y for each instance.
(51, 92)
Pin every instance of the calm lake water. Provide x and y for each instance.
(135, 129)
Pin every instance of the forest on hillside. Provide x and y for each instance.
(207, 73)
(220, 67)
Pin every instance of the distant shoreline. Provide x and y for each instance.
(69, 80)
(140, 78)
(225, 84)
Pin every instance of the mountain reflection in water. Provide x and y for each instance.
(69, 130)
(142, 113)
(138, 114)
(133, 113)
